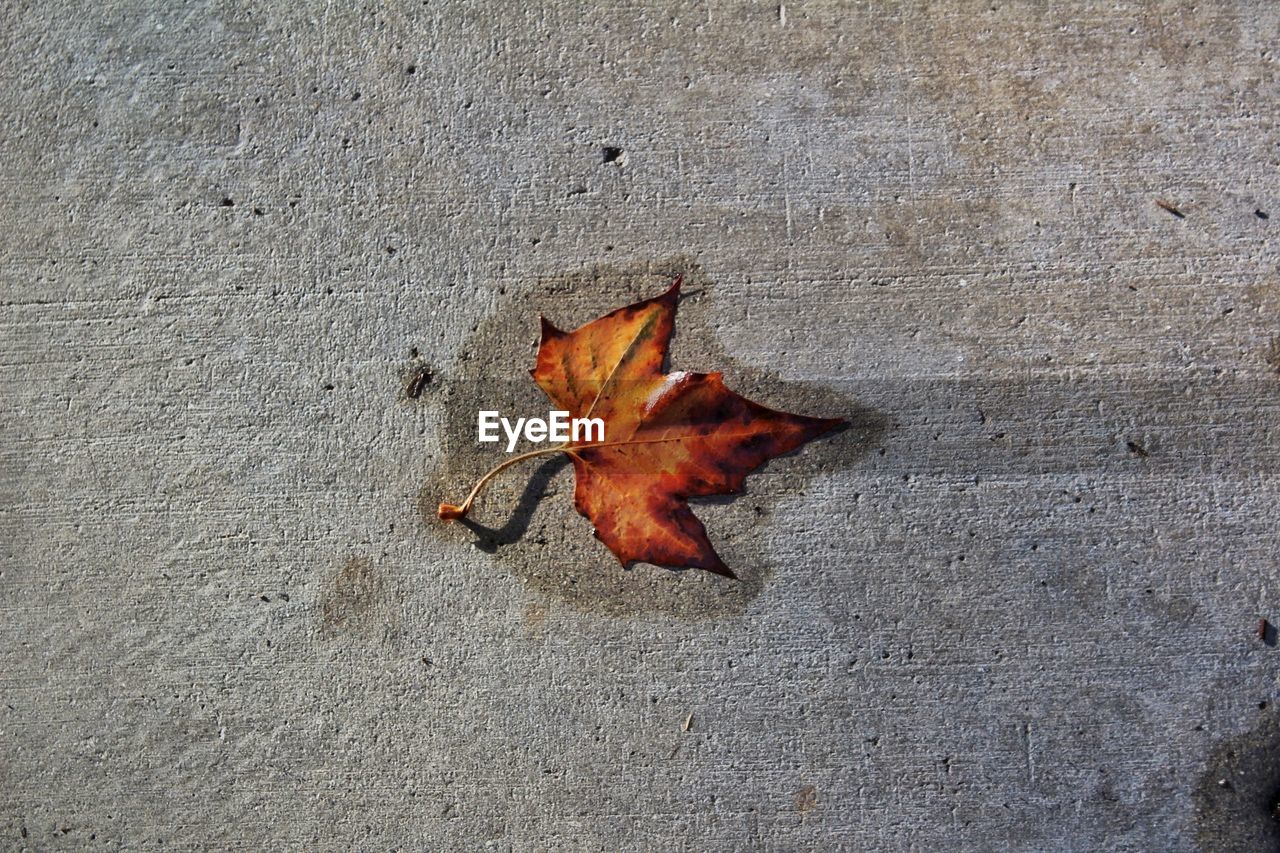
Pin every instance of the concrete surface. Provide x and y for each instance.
(1015, 607)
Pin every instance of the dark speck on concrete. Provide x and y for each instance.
(1267, 633)
(422, 377)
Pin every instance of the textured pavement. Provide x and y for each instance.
(261, 264)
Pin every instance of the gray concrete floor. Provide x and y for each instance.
(1014, 607)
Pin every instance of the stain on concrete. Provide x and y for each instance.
(355, 601)
(1273, 354)
(526, 518)
(535, 616)
(1238, 795)
(806, 799)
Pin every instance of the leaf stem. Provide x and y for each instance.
(449, 512)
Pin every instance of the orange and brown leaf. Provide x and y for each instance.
(668, 436)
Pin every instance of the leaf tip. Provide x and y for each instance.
(549, 331)
(815, 427)
(721, 569)
(829, 424)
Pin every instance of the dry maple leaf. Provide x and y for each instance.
(668, 436)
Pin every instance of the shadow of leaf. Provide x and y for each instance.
(490, 539)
